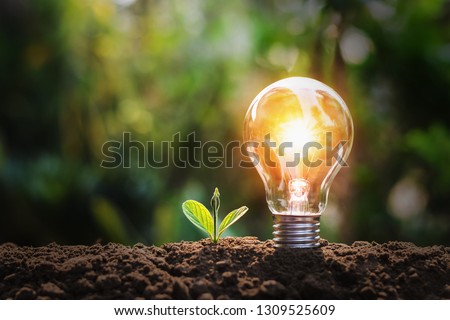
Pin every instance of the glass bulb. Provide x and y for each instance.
(299, 133)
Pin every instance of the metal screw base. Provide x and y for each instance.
(296, 231)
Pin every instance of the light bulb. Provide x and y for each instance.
(299, 133)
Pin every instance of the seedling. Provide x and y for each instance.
(205, 221)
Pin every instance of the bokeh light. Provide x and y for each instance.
(75, 74)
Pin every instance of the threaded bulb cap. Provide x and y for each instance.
(301, 231)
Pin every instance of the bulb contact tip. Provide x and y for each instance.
(296, 231)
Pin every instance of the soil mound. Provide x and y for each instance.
(236, 268)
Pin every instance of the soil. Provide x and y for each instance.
(236, 268)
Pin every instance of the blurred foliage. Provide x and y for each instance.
(76, 73)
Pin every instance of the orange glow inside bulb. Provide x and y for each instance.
(298, 133)
(300, 128)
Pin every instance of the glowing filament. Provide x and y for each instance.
(299, 189)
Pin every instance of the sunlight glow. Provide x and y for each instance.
(298, 132)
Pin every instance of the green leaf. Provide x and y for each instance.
(199, 216)
(231, 218)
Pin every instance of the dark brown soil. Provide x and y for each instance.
(236, 268)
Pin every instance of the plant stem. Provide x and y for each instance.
(215, 225)
(215, 205)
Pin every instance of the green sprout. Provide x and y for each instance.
(205, 221)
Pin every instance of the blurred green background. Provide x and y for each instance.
(77, 73)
